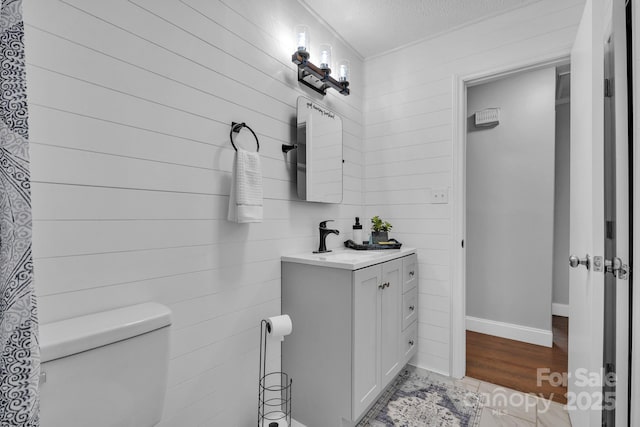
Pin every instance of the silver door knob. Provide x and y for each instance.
(574, 261)
(615, 266)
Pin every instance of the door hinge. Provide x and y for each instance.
(609, 368)
(610, 229)
(608, 88)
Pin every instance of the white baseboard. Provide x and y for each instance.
(437, 371)
(560, 309)
(510, 331)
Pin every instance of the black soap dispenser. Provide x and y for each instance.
(357, 232)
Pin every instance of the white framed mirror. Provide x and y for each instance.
(319, 140)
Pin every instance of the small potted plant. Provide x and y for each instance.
(380, 229)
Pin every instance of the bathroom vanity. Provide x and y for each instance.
(355, 326)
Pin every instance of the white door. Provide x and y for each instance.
(586, 286)
(599, 294)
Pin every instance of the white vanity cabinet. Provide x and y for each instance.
(351, 332)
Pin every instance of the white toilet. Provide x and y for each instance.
(105, 369)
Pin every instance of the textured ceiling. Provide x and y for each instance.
(372, 27)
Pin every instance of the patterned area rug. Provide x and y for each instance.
(416, 399)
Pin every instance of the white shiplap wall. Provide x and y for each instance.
(408, 139)
(130, 108)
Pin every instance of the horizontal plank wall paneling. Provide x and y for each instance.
(130, 109)
(408, 139)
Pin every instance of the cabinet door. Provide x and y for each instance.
(391, 320)
(366, 333)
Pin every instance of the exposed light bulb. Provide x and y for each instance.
(325, 56)
(302, 38)
(343, 71)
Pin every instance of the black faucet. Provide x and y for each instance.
(324, 232)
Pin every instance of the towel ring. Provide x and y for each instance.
(236, 128)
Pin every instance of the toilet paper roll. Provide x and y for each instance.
(279, 326)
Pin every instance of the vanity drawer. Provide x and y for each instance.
(409, 307)
(410, 273)
(409, 342)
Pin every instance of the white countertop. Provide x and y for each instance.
(348, 259)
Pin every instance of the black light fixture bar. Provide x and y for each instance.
(318, 79)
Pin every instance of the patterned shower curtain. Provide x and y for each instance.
(19, 351)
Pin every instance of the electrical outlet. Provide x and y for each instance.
(440, 195)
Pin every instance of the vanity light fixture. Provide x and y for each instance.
(316, 77)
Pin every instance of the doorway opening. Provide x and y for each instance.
(517, 229)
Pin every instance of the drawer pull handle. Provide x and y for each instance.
(412, 307)
(411, 343)
(412, 273)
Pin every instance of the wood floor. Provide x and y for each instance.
(514, 364)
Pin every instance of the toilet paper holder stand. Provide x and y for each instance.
(274, 389)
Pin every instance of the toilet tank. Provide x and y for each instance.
(105, 369)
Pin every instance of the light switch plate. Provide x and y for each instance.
(440, 195)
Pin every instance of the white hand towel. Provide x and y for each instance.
(245, 197)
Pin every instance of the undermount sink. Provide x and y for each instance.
(348, 258)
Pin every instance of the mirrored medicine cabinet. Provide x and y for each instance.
(319, 153)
